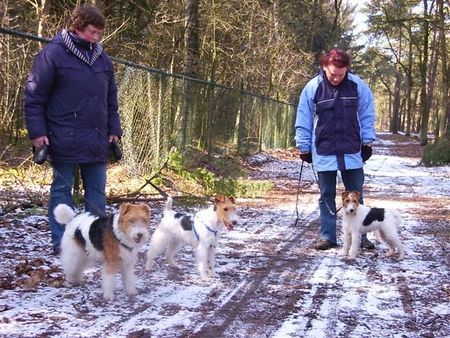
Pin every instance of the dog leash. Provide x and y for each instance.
(298, 193)
(297, 218)
(326, 204)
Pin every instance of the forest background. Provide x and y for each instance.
(266, 47)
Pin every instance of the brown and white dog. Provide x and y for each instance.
(359, 219)
(201, 232)
(112, 240)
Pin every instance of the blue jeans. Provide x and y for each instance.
(94, 184)
(353, 180)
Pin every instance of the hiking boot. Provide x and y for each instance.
(366, 244)
(323, 244)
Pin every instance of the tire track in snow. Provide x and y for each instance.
(274, 302)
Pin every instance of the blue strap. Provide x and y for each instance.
(195, 231)
(207, 227)
(213, 231)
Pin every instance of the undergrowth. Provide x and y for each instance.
(191, 174)
(437, 153)
(196, 173)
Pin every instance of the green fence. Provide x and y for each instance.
(160, 110)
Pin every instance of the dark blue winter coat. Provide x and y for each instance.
(71, 97)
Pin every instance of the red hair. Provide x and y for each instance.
(336, 57)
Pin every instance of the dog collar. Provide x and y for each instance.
(111, 222)
(207, 227)
(211, 230)
(125, 246)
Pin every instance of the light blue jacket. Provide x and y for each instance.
(334, 122)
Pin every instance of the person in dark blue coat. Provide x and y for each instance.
(335, 130)
(71, 105)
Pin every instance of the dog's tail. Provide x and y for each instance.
(169, 204)
(63, 213)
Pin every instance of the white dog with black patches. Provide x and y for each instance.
(112, 240)
(202, 232)
(359, 219)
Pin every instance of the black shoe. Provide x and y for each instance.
(366, 244)
(323, 244)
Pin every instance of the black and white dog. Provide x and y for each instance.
(201, 232)
(359, 219)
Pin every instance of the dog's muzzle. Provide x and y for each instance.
(138, 238)
(230, 225)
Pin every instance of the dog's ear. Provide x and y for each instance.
(219, 199)
(232, 199)
(146, 208)
(345, 194)
(356, 193)
(124, 208)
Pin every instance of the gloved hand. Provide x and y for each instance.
(40, 154)
(307, 157)
(366, 152)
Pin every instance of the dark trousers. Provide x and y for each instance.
(353, 180)
(94, 184)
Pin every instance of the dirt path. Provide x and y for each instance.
(271, 283)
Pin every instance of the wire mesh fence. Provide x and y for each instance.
(160, 110)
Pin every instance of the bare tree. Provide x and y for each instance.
(191, 37)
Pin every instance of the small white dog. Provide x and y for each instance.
(112, 240)
(202, 233)
(359, 219)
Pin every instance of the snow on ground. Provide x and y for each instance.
(270, 282)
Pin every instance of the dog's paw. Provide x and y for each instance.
(204, 276)
(131, 292)
(343, 252)
(108, 296)
(390, 253)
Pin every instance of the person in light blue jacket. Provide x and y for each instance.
(335, 130)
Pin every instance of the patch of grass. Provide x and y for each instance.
(220, 175)
(437, 153)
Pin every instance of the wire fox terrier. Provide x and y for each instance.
(202, 233)
(359, 219)
(112, 240)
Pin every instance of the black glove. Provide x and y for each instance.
(366, 152)
(115, 154)
(40, 154)
(307, 157)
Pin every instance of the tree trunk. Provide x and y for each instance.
(444, 111)
(425, 113)
(191, 51)
(396, 103)
(337, 13)
(312, 26)
(43, 14)
(397, 89)
(410, 82)
(190, 63)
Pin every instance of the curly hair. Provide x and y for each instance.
(86, 15)
(336, 57)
